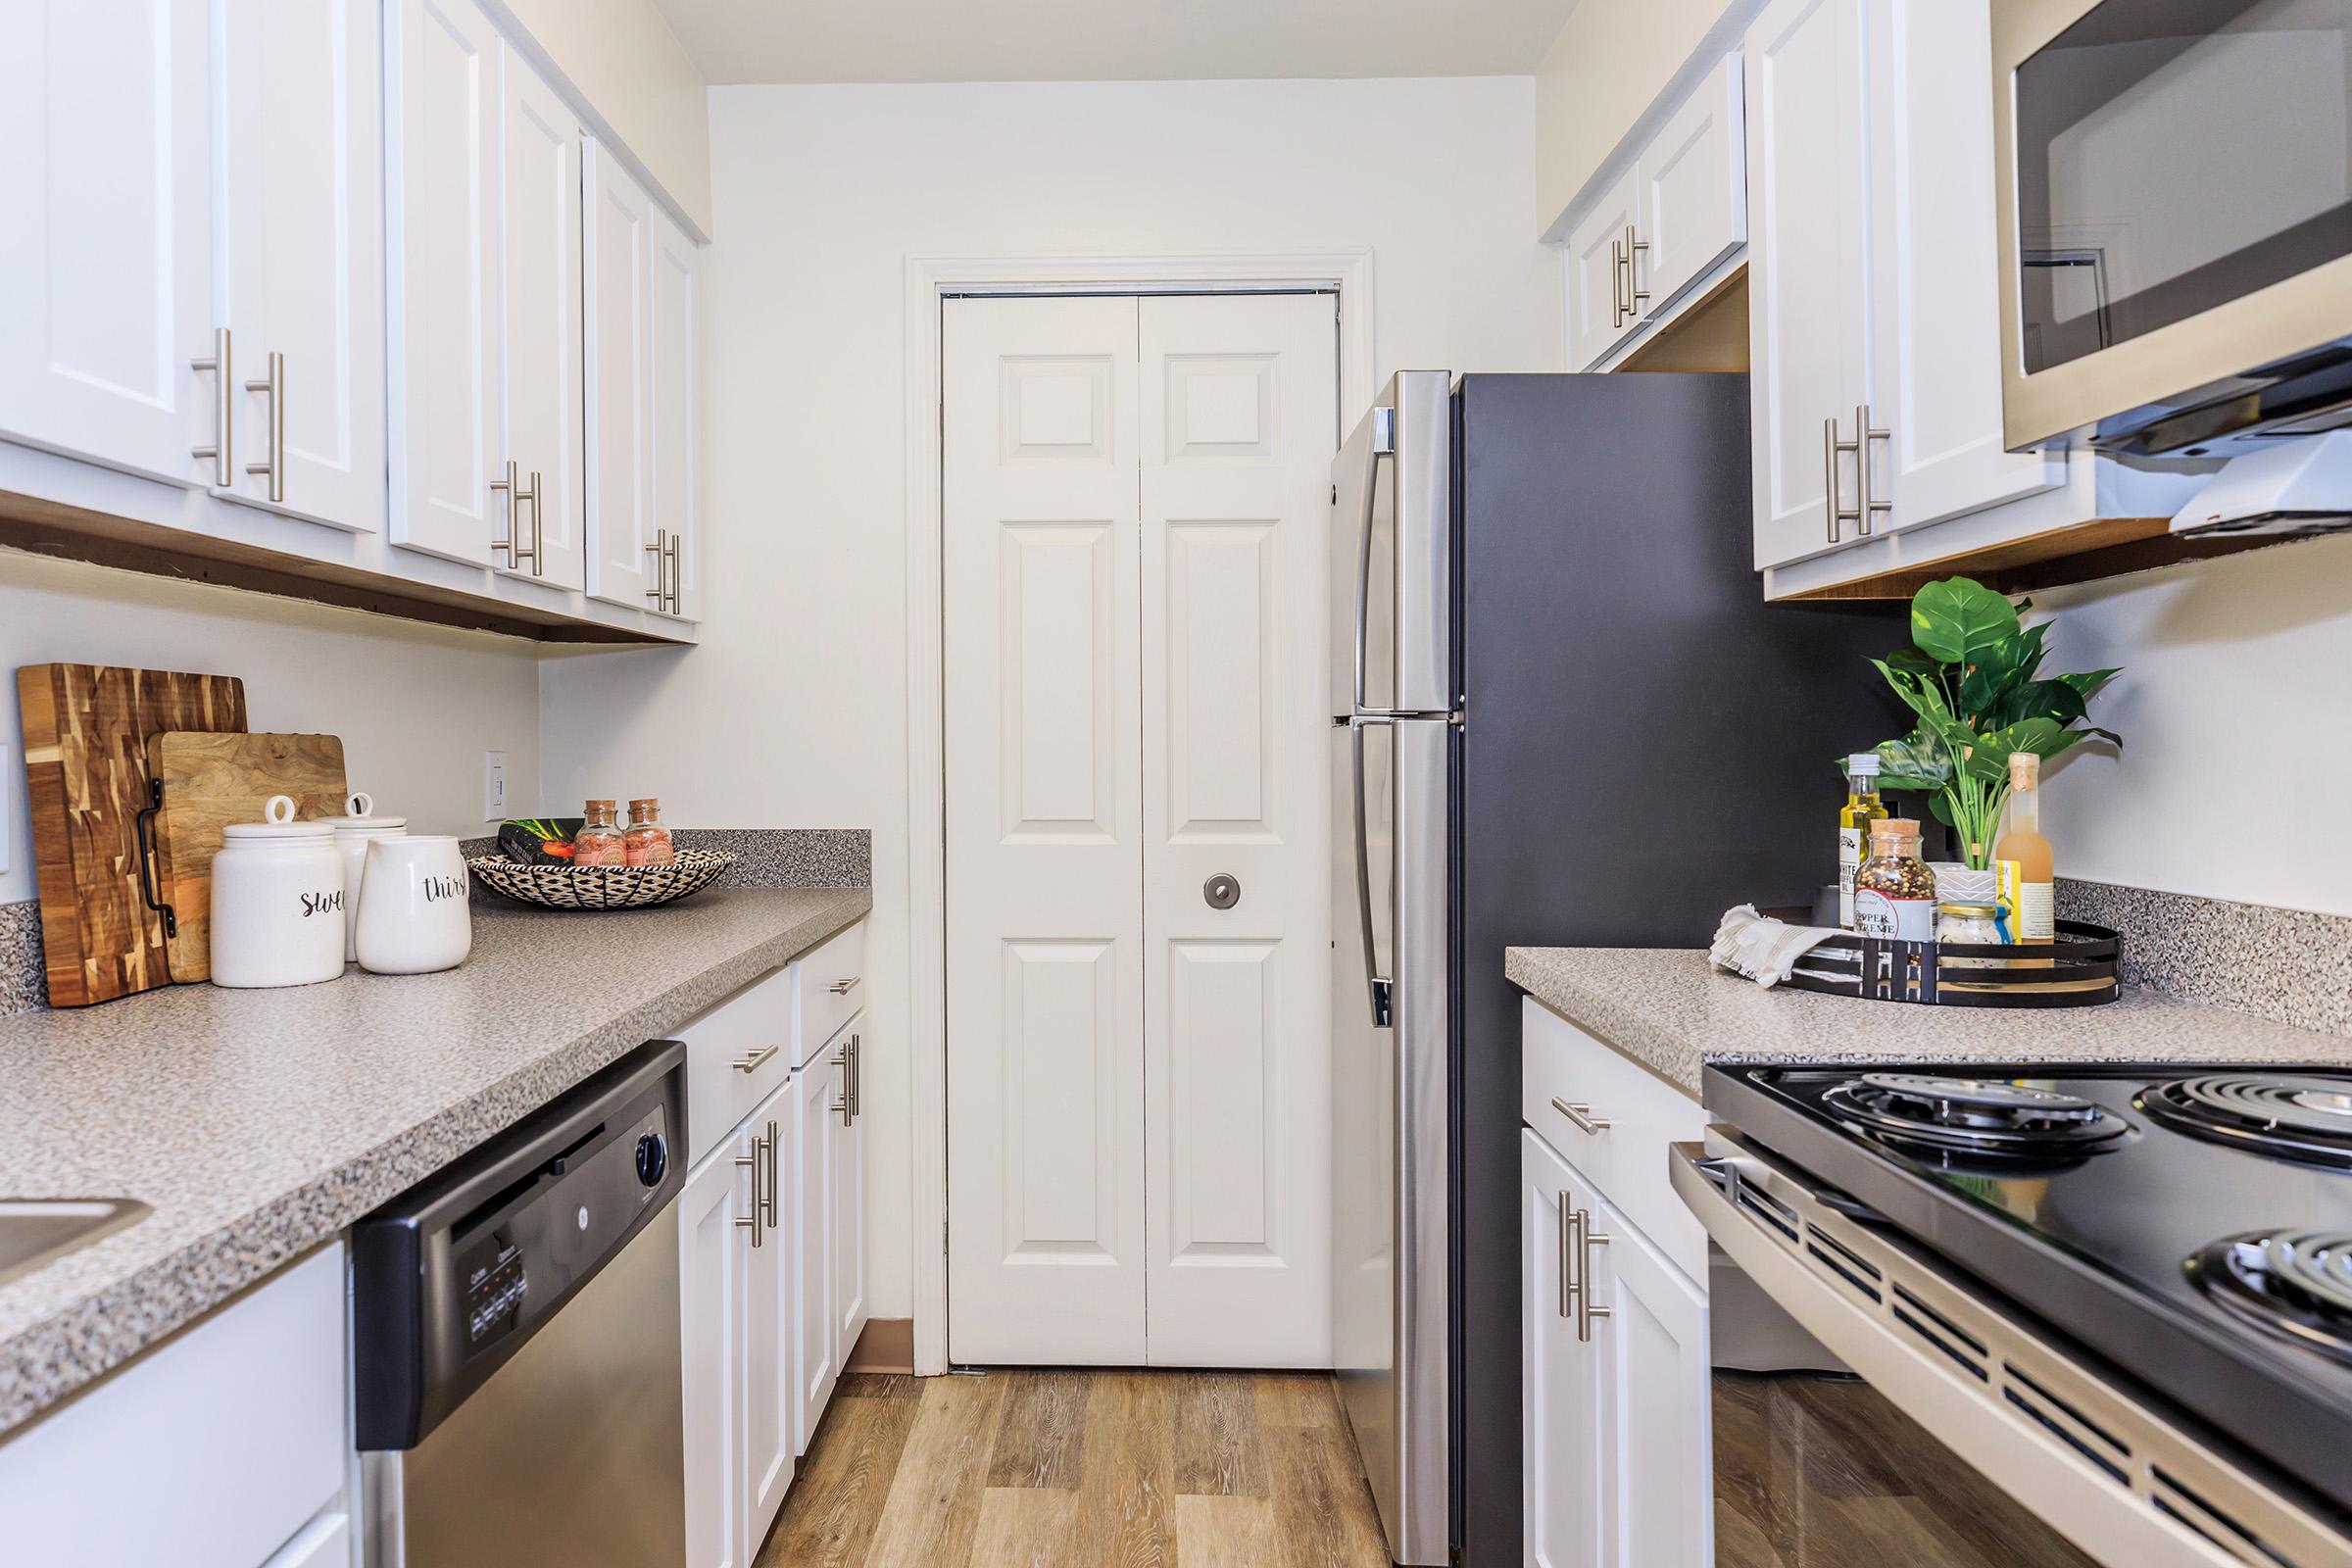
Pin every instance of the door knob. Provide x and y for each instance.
(1223, 891)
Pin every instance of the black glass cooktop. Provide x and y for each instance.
(2192, 1226)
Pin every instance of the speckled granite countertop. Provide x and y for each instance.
(1668, 1010)
(259, 1123)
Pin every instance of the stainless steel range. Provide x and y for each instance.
(2030, 1318)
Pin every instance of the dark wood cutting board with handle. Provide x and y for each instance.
(86, 728)
(208, 782)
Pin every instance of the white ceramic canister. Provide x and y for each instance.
(277, 901)
(353, 835)
(415, 913)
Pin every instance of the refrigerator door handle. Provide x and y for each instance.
(1381, 988)
(1382, 445)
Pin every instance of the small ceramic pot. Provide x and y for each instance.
(277, 901)
(414, 912)
(353, 835)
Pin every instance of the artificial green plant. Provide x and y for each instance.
(1973, 679)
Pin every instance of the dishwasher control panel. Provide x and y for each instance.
(449, 1281)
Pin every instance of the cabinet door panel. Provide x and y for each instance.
(1597, 320)
(676, 362)
(710, 1297)
(104, 269)
(769, 1409)
(1692, 183)
(1935, 330)
(619, 344)
(848, 1208)
(299, 249)
(1656, 1478)
(1807, 274)
(1564, 1417)
(539, 280)
(815, 1367)
(441, 67)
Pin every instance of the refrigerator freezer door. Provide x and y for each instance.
(1389, 1096)
(1391, 554)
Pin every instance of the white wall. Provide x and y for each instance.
(2235, 779)
(793, 711)
(416, 706)
(622, 59)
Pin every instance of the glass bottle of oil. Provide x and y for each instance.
(1863, 807)
(2026, 867)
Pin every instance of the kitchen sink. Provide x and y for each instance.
(35, 1230)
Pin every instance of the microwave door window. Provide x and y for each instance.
(2175, 155)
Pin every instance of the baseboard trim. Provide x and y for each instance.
(886, 1345)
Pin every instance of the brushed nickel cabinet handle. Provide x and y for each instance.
(225, 405)
(1616, 283)
(773, 1149)
(274, 385)
(1587, 1238)
(670, 554)
(1580, 1115)
(1866, 435)
(1567, 1257)
(753, 1222)
(538, 525)
(1635, 296)
(517, 548)
(660, 551)
(856, 1076)
(1831, 449)
(509, 487)
(842, 988)
(754, 1062)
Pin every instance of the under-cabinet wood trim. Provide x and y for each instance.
(2082, 551)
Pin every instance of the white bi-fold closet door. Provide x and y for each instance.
(1135, 498)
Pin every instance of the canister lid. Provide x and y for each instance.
(362, 817)
(279, 826)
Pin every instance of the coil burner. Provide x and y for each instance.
(1975, 1115)
(2294, 1283)
(2296, 1116)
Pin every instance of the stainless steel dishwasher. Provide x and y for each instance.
(516, 1341)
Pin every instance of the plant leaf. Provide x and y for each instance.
(1920, 761)
(1960, 621)
(2053, 700)
(2089, 682)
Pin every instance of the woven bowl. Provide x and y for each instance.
(602, 886)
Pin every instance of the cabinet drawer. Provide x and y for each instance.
(1563, 1067)
(737, 1055)
(828, 987)
(224, 1443)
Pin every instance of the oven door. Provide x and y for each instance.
(2175, 204)
(1870, 1407)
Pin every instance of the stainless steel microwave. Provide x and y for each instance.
(2176, 221)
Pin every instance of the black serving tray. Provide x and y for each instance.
(2077, 970)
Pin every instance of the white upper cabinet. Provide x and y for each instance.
(104, 267)
(540, 338)
(1665, 226)
(619, 246)
(441, 173)
(1872, 312)
(1807, 268)
(1935, 296)
(298, 252)
(1691, 185)
(676, 362)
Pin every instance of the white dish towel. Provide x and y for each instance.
(1761, 948)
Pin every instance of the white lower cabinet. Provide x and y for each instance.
(1613, 1340)
(710, 1314)
(815, 1363)
(224, 1448)
(770, 1415)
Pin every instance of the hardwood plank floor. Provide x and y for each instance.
(1080, 1469)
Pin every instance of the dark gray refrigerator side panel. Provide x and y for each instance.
(1647, 743)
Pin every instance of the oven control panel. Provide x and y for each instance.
(494, 1290)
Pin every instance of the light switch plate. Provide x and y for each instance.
(494, 786)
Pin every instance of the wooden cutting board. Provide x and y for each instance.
(210, 781)
(86, 728)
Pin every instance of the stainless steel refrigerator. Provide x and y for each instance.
(1561, 715)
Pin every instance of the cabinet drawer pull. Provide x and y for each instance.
(1586, 1237)
(764, 1189)
(274, 385)
(754, 1062)
(1580, 1115)
(225, 405)
(842, 988)
(758, 1198)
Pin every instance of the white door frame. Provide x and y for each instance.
(930, 279)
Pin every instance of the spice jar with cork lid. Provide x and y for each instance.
(1894, 892)
(646, 840)
(599, 841)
